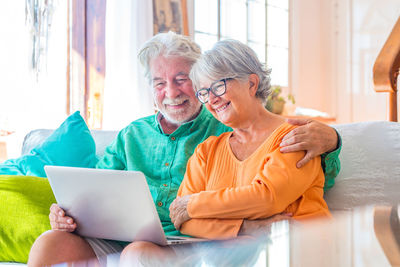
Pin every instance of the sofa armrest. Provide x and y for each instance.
(370, 165)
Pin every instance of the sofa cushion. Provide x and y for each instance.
(370, 166)
(24, 214)
(69, 145)
(102, 139)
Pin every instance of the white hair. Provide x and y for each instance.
(168, 44)
(231, 59)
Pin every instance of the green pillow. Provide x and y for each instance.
(24, 214)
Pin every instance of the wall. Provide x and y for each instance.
(310, 65)
(334, 44)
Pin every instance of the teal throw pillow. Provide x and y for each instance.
(24, 214)
(70, 145)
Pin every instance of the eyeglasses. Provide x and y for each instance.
(218, 88)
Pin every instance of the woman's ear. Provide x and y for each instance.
(253, 82)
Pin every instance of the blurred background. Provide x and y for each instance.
(59, 56)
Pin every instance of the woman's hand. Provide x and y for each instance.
(178, 211)
(59, 221)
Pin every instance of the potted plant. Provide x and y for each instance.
(276, 102)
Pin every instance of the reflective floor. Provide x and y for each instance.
(367, 236)
(363, 237)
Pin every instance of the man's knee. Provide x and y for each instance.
(56, 246)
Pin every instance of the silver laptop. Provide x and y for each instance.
(110, 204)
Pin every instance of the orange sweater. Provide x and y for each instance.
(266, 183)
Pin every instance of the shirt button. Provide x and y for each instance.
(165, 185)
(159, 204)
(167, 164)
(173, 138)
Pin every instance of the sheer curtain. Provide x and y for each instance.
(27, 102)
(127, 95)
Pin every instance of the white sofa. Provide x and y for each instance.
(370, 163)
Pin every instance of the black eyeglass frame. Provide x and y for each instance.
(211, 89)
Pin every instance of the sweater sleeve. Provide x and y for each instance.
(272, 190)
(195, 182)
(217, 229)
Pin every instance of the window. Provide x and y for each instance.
(261, 24)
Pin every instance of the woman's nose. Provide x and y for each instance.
(212, 98)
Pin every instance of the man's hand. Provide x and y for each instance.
(178, 211)
(59, 221)
(314, 137)
(255, 227)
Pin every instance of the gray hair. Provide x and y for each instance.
(168, 44)
(231, 59)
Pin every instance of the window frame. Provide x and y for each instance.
(266, 44)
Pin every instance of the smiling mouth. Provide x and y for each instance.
(177, 105)
(223, 107)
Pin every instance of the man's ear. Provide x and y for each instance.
(253, 82)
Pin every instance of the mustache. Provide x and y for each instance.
(174, 101)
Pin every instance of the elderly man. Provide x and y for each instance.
(169, 139)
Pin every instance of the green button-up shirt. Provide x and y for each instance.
(143, 146)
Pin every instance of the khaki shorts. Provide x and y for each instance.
(107, 251)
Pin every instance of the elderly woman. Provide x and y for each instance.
(241, 176)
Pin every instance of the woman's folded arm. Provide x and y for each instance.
(212, 228)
